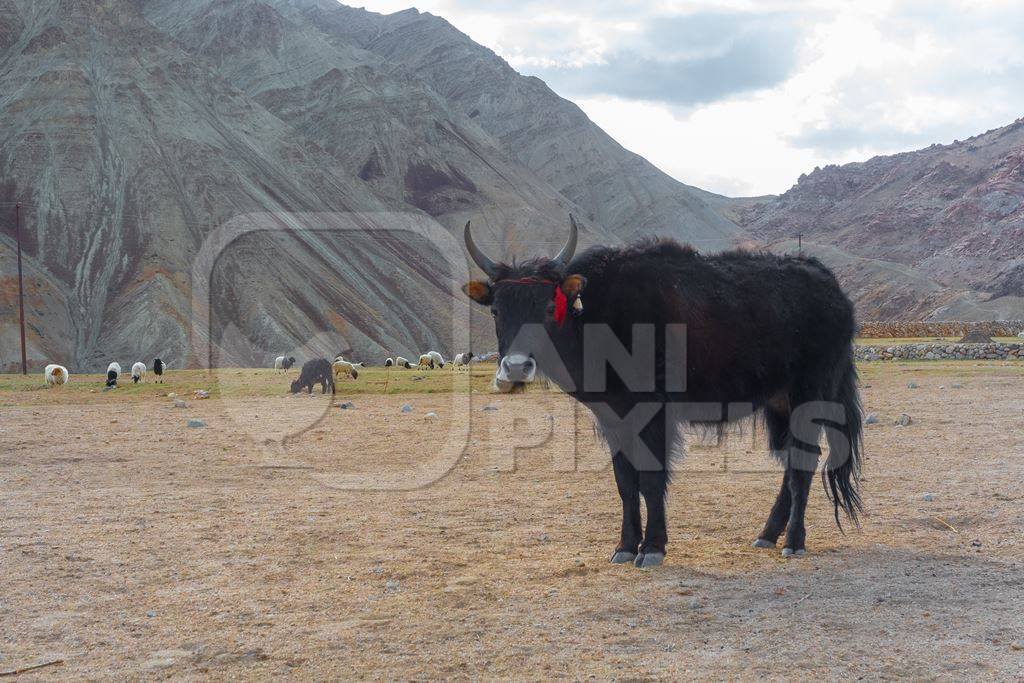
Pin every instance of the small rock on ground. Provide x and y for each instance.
(911, 385)
(871, 419)
(180, 404)
(407, 408)
(903, 420)
(927, 497)
(196, 424)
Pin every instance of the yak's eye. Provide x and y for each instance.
(494, 312)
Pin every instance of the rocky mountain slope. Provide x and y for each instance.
(134, 130)
(545, 132)
(949, 218)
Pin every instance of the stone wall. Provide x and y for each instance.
(940, 351)
(896, 329)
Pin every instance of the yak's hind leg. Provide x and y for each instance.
(803, 461)
(777, 426)
(626, 479)
(800, 457)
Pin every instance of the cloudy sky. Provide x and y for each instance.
(742, 96)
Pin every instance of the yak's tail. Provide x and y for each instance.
(841, 474)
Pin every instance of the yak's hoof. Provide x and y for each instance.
(789, 552)
(648, 560)
(761, 543)
(623, 557)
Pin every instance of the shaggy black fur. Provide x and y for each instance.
(111, 378)
(288, 363)
(773, 333)
(317, 371)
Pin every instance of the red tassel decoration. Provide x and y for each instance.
(561, 305)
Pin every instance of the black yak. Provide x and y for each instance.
(668, 336)
(316, 371)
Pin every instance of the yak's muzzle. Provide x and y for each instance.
(515, 369)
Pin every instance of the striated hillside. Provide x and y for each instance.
(950, 217)
(133, 128)
(548, 134)
(127, 153)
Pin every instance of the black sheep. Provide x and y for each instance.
(158, 370)
(313, 372)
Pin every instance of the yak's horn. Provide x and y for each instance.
(481, 259)
(569, 249)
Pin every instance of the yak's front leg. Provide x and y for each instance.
(653, 480)
(638, 446)
(627, 481)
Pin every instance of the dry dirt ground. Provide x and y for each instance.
(133, 546)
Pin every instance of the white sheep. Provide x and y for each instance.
(56, 375)
(438, 358)
(403, 363)
(426, 362)
(462, 359)
(138, 372)
(342, 367)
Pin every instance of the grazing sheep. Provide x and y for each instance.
(426, 362)
(344, 368)
(438, 358)
(313, 372)
(138, 372)
(389, 362)
(113, 372)
(463, 359)
(403, 363)
(158, 369)
(56, 375)
(284, 362)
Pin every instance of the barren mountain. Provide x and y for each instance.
(950, 217)
(550, 135)
(134, 130)
(127, 153)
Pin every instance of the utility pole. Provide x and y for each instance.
(21, 287)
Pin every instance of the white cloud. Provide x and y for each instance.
(740, 97)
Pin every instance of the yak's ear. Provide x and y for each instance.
(573, 285)
(479, 292)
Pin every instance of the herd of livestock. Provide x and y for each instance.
(327, 373)
(57, 375)
(317, 371)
